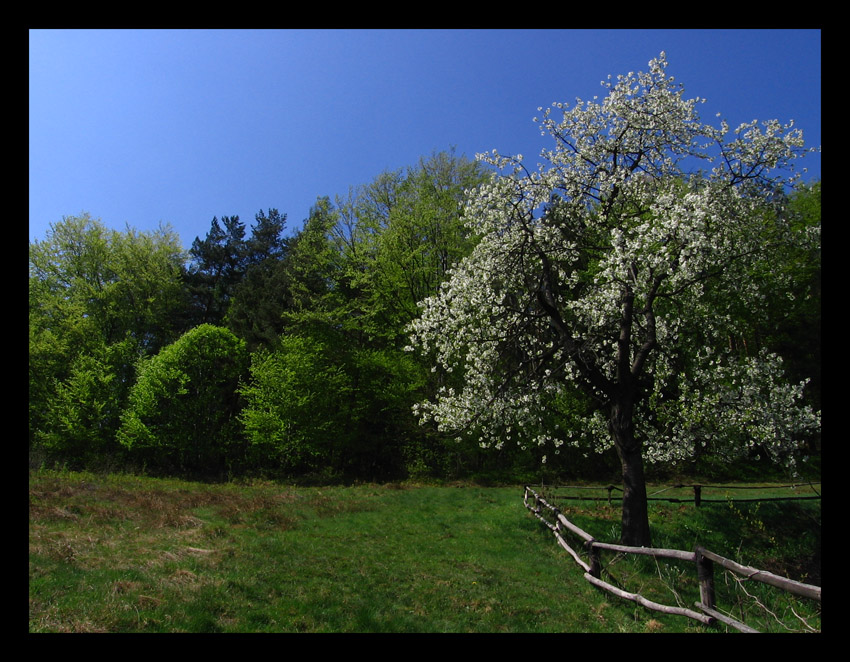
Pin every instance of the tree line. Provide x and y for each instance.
(264, 352)
(258, 351)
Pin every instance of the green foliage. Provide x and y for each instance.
(122, 283)
(386, 381)
(294, 401)
(260, 297)
(84, 410)
(232, 279)
(793, 329)
(351, 280)
(315, 406)
(400, 235)
(218, 263)
(146, 295)
(316, 325)
(315, 286)
(183, 408)
(98, 300)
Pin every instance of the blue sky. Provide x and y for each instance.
(141, 127)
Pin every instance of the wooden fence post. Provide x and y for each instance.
(697, 495)
(610, 489)
(705, 574)
(595, 564)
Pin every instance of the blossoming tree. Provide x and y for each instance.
(619, 267)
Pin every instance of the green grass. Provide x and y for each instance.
(132, 554)
(782, 537)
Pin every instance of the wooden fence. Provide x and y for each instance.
(699, 493)
(703, 560)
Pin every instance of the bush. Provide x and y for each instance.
(183, 408)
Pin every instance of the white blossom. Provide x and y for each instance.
(637, 201)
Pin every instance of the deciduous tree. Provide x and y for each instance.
(618, 267)
(99, 300)
(183, 408)
(295, 403)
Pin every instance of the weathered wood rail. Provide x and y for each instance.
(699, 492)
(703, 560)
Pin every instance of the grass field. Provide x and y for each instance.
(133, 554)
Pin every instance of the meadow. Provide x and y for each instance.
(123, 553)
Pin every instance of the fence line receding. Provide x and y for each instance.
(703, 560)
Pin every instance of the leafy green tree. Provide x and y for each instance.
(385, 383)
(83, 410)
(315, 405)
(294, 403)
(340, 383)
(357, 271)
(98, 300)
(323, 324)
(793, 328)
(609, 269)
(315, 262)
(183, 409)
(59, 331)
(401, 234)
(267, 241)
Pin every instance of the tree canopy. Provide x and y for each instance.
(182, 410)
(647, 296)
(99, 300)
(620, 267)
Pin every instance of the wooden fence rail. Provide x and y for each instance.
(698, 490)
(703, 560)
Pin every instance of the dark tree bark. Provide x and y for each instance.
(635, 517)
(622, 393)
(635, 522)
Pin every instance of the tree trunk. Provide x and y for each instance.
(635, 519)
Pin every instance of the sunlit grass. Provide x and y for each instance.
(131, 554)
(781, 537)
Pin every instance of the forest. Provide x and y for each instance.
(261, 350)
(275, 353)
